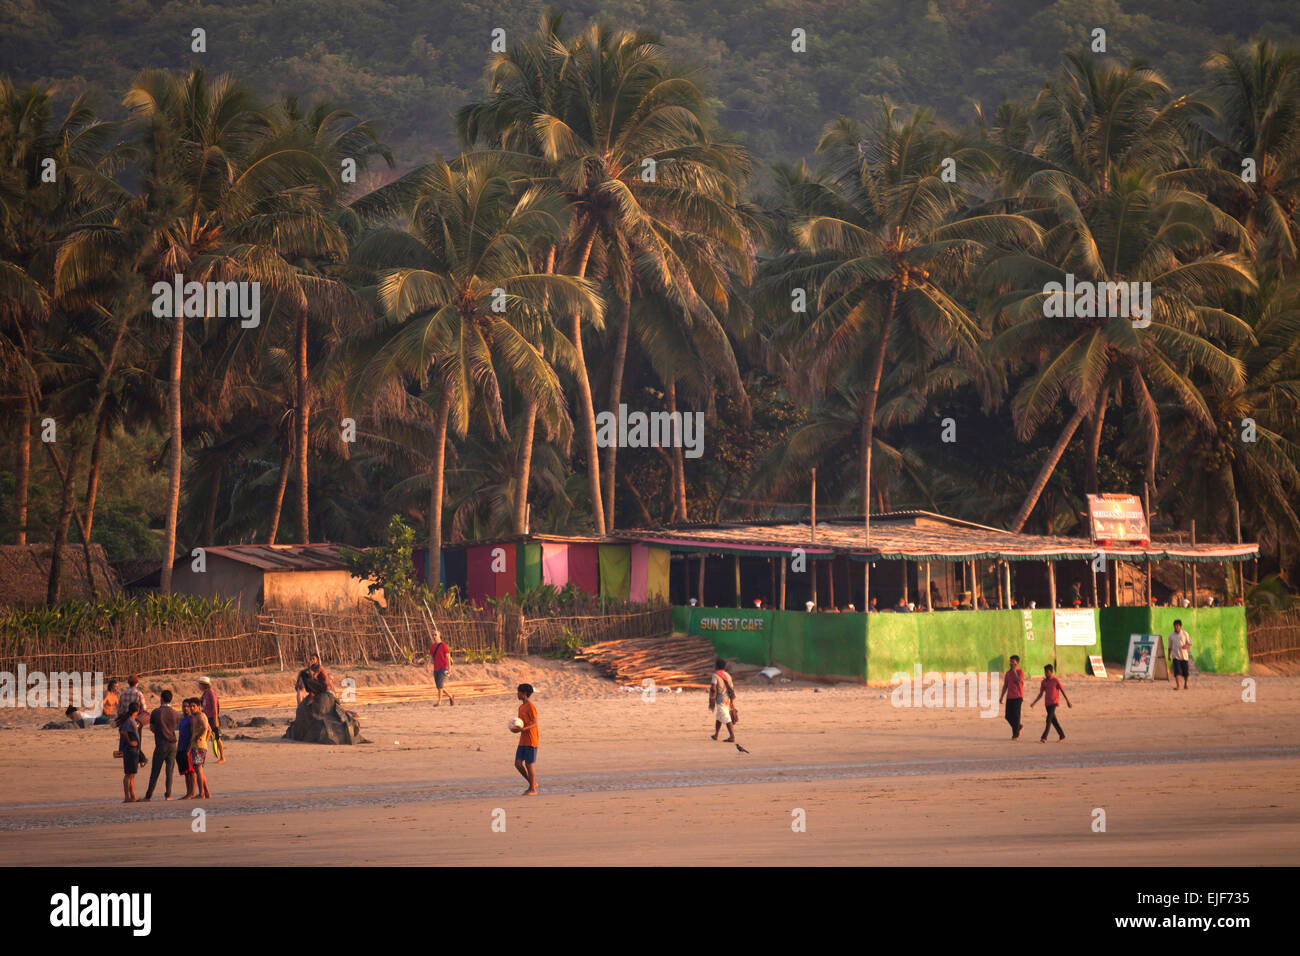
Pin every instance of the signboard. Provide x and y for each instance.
(1098, 666)
(1075, 627)
(1117, 518)
(1029, 624)
(1146, 658)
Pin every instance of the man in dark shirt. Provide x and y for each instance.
(163, 722)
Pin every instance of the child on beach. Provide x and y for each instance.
(200, 738)
(183, 747)
(1051, 686)
(526, 752)
(128, 735)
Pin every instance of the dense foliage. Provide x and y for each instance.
(441, 338)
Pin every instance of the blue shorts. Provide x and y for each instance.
(439, 677)
(526, 754)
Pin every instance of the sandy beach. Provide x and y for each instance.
(1195, 777)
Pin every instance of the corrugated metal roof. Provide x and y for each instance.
(281, 557)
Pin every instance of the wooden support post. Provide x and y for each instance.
(1051, 582)
(1241, 565)
(1006, 570)
(782, 605)
(1148, 580)
(1193, 564)
(814, 506)
(735, 563)
(929, 604)
(1096, 601)
(813, 574)
(699, 585)
(830, 580)
(903, 565)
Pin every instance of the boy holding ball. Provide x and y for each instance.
(526, 752)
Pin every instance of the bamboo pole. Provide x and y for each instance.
(1193, 564)
(276, 627)
(699, 585)
(929, 603)
(782, 605)
(735, 563)
(314, 643)
(830, 579)
(903, 564)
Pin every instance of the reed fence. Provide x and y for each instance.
(1276, 635)
(286, 637)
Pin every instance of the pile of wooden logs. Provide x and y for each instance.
(379, 694)
(677, 661)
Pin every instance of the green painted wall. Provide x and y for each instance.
(1218, 633)
(876, 646)
(966, 641)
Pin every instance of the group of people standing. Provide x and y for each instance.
(181, 741)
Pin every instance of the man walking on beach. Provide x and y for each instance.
(212, 711)
(163, 722)
(526, 752)
(1013, 689)
(722, 694)
(1051, 686)
(1180, 652)
(440, 660)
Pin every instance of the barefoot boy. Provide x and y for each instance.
(1051, 686)
(526, 752)
(183, 738)
(200, 739)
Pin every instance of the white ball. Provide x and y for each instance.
(516, 724)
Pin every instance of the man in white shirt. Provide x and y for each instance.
(1180, 653)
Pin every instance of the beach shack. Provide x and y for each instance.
(257, 576)
(949, 594)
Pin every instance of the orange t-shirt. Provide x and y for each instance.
(528, 714)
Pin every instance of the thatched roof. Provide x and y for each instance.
(25, 572)
(917, 536)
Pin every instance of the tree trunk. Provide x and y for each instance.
(615, 396)
(679, 462)
(585, 406)
(68, 478)
(281, 483)
(1094, 444)
(24, 470)
(1044, 473)
(92, 479)
(869, 432)
(523, 470)
(304, 533)
(210, 514)
(174, 430)
(436, 491)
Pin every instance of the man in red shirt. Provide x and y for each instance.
(1013, 689)
(1051, 686)
(440, 660)
(526, 752)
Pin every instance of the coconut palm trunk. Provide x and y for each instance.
(23, 478)
(281, 484)
(438, 471)
(304, 533)
(869, 431)
(1044, 473)
(174, 433)
(524, 469)
(678, 461)
(585, 406)
(615, 397)
(92, 478)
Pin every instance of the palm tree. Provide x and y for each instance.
(460, 294)
(1142, 231)
(885, 247)
(1257, 93)
(655, 200)
(222, 199)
